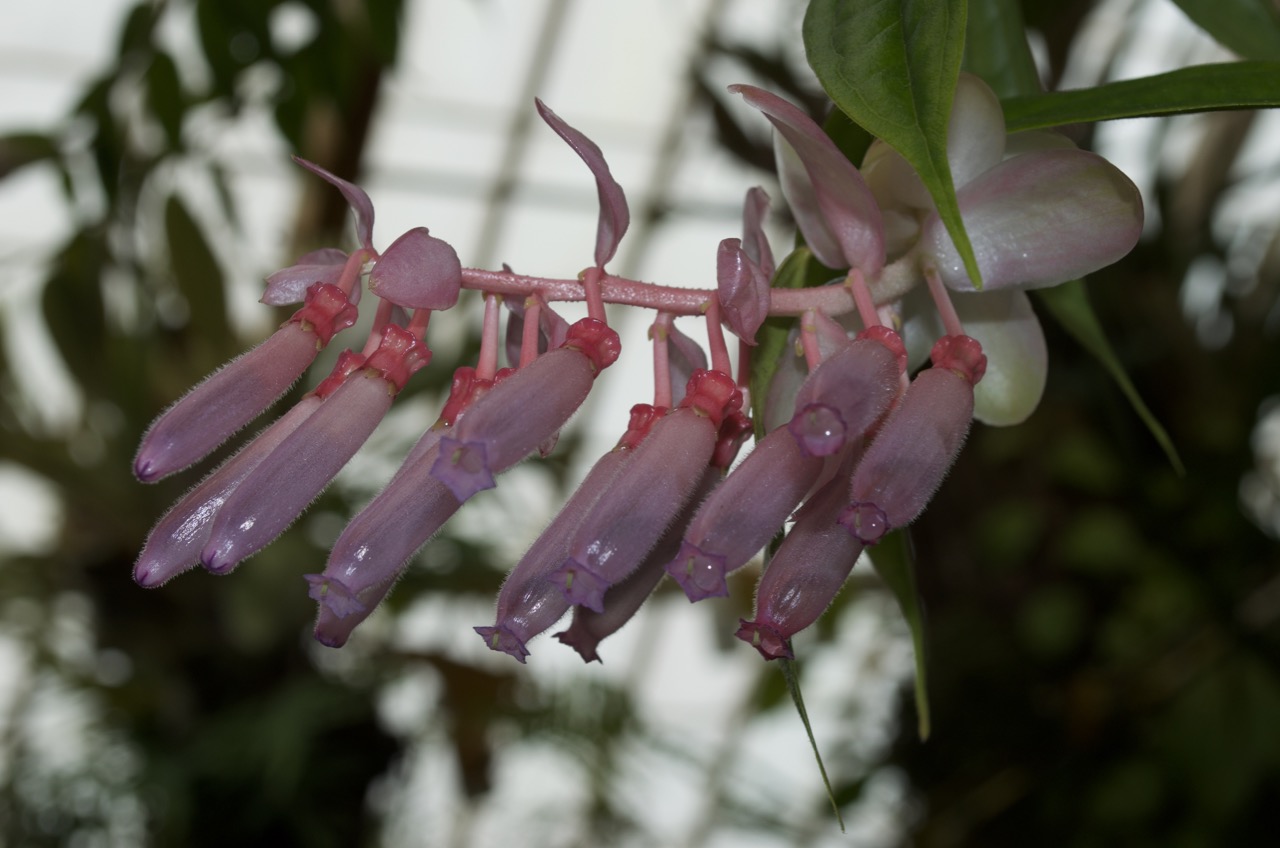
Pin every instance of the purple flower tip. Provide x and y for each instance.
(499, 638)
(463, 467)
(145, 469)
(819, 430)
(581, 641)
(764, 639)
(865, 522)
(217, 556)
(330, 593)
(699, 573)
(581, 586)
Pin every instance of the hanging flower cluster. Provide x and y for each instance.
(852, 446)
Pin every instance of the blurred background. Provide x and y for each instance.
(1103, 640)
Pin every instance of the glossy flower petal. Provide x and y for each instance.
(289, 285)
(1039, 219)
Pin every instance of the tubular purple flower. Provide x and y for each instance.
(853, 387)
(614, 215)
(297, 471)
(627, 522)
(1039, 219)
(804, 575)
(621, 602)
(524, 410)
(233, 396)
(849, 231)
(530, 601)
(418, 271)
(376, 547)
(917, 444)
(174, 544)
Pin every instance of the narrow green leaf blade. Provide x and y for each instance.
(793, 686)
(894, 561)
(1069, 304)
(1202, 88)
(892, 66)
(1248, 27)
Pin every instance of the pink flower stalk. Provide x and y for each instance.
(233, 396)
(805, 573)
(627, 522)
(623, 600)
(524, 410)
(840, 400)
(917, 444)
(175, 543)
(294, 474)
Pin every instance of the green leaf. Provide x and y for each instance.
(891, 66)
(1248, 27)
(793, 686)
(894, 560)
(1070, 305)
(166, 98)
(197, 273)
(996, 48)
(1202, 88)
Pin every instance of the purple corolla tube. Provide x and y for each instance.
(300, 467)
(524, 410)
(918, 443)
(621, 602)
(286, 482)
(626, 523)
(174, 544)
(376, 547)
(530, 601)
(839, 401)
(237, 393)
(804, 575)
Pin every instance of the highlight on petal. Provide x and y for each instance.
(418, 271)
(848, 208)
(1040, 219)
(356, 198)
(289, 285)
(614, 215)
